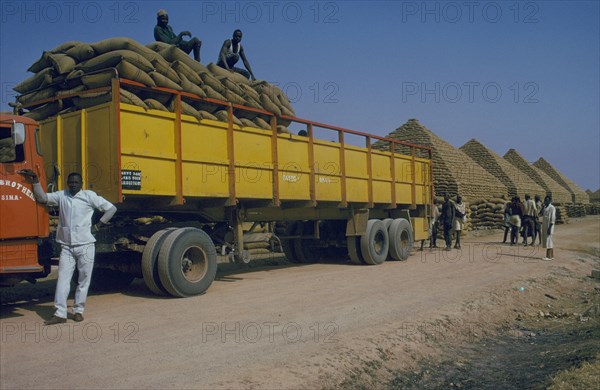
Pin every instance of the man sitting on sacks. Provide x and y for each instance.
(164, 33)
(231, 51)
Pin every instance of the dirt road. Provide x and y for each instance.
(285, 326)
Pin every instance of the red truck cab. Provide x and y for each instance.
(24, 223)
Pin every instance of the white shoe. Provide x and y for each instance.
(546, 258)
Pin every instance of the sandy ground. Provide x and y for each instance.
(288, 326)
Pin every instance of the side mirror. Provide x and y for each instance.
(18, 133)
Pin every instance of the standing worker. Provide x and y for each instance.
(529, 213)
(549, 219)
(74, 233)
(230, 54)
(538, 216)
(164, 33)
(460, 217)
(516, 210)
(447, 218)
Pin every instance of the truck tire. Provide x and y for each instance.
(401, 239)
(288, 244)
(187, 262)
(150, 261)
(353, 244)
(375, 243)
(387, 222)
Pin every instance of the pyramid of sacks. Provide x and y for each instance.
(73, 67)
(516, 181)
(453, 171)
(556, 191)
(578, 195)
(559, 195)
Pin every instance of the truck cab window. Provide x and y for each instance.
(8, 152)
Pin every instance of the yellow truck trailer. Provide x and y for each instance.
(185, 187)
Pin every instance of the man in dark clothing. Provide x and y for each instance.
(529, 213)
(230, 54)
(447, 219)
(164, 33)
(516, 208)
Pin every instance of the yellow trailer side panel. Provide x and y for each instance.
(109, 139)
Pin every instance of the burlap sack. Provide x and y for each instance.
(185, 109)
(248, 123)
(182, 69)
(122, 43)
(131, 72)
(230, 85)
(211, 93)
(191, 87)
(261, 123)
(38, 95)
(97, 80)
(165, 82)
(154, 104)
(63, 47)
(223, 116)
(45, 111)
(282, 130)
(113, 58)
(212, 82)
(72, 91)
(248, 91)
(43, 77)
(164, 68)
(158, 46)
(173, 54)
(42, 63)
(80, 52)
(207, 115)
(62, 63)
(268, 105)
(131, 98)
(217, 71)
(90, 100)
(233, 98)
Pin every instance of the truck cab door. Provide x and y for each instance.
(22, 219)
(18, 209)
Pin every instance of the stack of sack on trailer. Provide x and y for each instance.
(74, 67)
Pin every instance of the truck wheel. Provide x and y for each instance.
(401, 239)
(187, 262)
(353, 244)
(387, 222)
(288, 244)
(150, 261)
(375, 243)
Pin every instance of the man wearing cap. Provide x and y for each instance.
(164, 33)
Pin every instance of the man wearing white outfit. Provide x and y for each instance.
(74, 233)
(549, 218)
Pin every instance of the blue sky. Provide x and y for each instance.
(513, 74)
